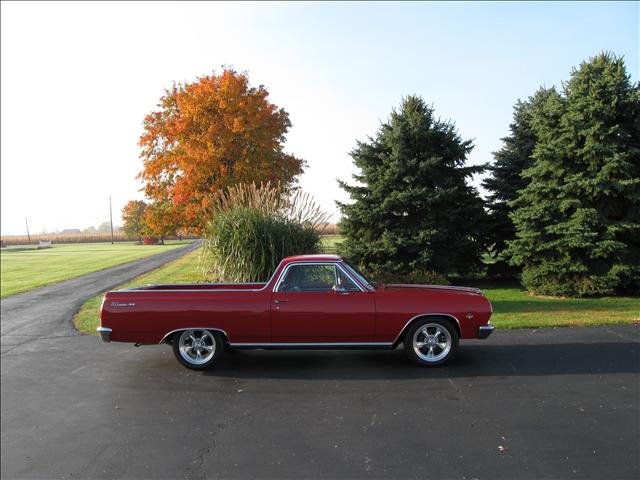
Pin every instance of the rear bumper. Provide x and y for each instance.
(105, 333)
(485, 330)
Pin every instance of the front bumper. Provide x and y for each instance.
(485, 330)
(105, 333)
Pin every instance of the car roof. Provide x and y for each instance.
(313, 258)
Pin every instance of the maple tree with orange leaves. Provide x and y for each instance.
(208, 135)
(161, 220)
(133, 217)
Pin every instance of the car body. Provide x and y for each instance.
(311, 301)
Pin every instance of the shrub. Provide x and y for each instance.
(253, 227)
(413, 278)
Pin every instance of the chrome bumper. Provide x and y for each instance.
(105, 333)
(485, 330)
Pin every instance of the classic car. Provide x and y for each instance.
(311, 301)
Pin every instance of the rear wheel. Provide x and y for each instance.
(197, 349)
(431, 342)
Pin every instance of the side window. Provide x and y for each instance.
(309, 278)
(345, 284)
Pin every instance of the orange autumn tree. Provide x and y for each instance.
(133, 219)
(210, 134)
(161, 220)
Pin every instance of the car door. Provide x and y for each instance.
(320, 303)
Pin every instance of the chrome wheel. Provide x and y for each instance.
(197, 347)
(432, 342)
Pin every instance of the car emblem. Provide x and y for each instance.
(118, 304)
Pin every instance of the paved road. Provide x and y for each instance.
(46, 312)
(551, 403)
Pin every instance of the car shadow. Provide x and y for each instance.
(481, 360)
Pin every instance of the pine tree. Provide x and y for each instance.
(578, 220)
(506, 172)
(413, 212)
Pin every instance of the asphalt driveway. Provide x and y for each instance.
(551, 403)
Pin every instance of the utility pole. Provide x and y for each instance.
(28, 236)
(111, 219)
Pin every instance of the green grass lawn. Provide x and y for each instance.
(515, 308)
(330, 243)
(24, 269)
(512, 306)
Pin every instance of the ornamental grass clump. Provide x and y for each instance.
(252, 227)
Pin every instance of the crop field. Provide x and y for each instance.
(26, 268)
(513, 307)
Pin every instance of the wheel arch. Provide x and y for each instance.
(444, 316)
(168, 337)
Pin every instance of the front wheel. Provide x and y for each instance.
(197, 349)
(431, 342)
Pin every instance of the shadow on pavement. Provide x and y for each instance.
(471, 361)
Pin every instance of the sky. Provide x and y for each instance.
(78, 78)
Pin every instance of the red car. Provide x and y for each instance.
(311, 301)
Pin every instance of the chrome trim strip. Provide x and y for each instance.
(195, 328)
(105, 333)
(313, 344)
(213, 283)
(485, 330)
(334, 263)
(428, 315)
(436, 287)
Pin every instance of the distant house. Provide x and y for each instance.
(69, 231)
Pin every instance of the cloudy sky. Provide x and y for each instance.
(78, 78)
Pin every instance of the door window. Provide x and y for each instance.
(345, 284)
(309, 278)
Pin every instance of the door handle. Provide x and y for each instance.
(276, 301)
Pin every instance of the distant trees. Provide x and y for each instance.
(207, 135)
(413, 213)
(133, 214)
(104, 227)
(577, 219)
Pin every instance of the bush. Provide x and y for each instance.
(252, 228)
(413, 278)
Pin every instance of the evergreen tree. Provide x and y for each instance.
(506, 172)
(578, 220)
(413, 212)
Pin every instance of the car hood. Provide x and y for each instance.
(445, 288)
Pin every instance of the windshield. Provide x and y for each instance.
(358, 275)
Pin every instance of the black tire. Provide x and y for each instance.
(432, 353)
(197, 349)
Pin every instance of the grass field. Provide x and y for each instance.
(513, 307)
(24, 269)
(330, 243)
